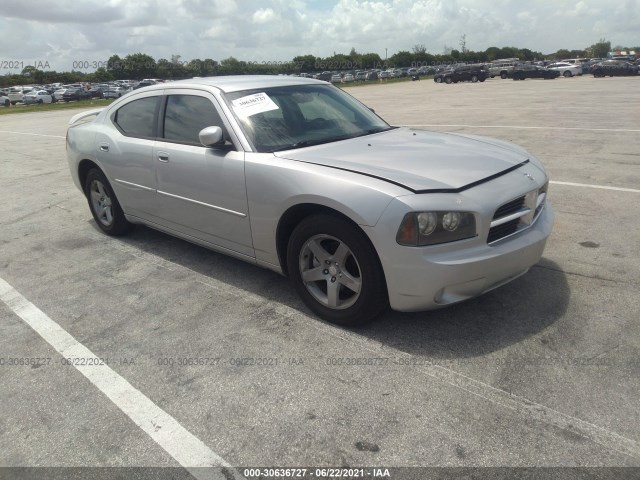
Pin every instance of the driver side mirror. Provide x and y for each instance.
(211, 136)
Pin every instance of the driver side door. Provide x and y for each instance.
(201, 190)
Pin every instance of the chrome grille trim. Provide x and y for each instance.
(507, 223)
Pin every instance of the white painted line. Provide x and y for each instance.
(603, 187)
(523, 406)
(32, 134)
(531, 128)
(184, 447)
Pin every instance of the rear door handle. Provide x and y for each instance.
(104, 147)
(163, 157)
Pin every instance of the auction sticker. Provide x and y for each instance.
(252, 104)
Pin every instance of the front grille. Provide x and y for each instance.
(508, 208)
(504, 230)
(517, 215)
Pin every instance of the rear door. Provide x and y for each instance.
(126, 153)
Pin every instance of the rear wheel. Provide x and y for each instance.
(439, 80)
(503, 75)
(448, 80)
(567, 74)
(474, 78)
(336, 271)
(104, 205)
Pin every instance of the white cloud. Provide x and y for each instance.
(264, 15)
(62, 31)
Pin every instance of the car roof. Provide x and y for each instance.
(234, 83)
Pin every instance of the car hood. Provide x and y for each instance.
(418, 160)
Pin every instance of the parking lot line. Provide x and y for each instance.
(525, 127)
(32, 134)
(603, 187)
(183, 446)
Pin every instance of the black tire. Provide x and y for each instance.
(448, 80)
(40, 101)
(438, 80)
(99, 193)
(482, 79)
(474, 78)
(503, 75)
(567, 74)
(326, 235)
(13, 103)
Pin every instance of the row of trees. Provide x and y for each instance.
(140, 65)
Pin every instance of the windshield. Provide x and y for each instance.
(283, 118)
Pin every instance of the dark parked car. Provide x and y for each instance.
(465, 73)
(97, 92)
(613, 68)
(75, 94)
(520, 72)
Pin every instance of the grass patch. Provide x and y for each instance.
(19, 108)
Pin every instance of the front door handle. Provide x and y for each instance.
(104, 147)
(163, 157)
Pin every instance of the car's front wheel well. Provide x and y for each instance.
(83, 169)
(292, 217)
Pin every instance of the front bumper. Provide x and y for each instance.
(424, 278)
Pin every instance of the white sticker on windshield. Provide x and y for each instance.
(252, 104)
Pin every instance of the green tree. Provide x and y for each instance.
(307, 63)
(115, 66)
(139, 66)
(600, 49)
(401, 59)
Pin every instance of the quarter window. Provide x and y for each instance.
(137, 118)
(186, 115)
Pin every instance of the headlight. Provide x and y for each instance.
(431, 228)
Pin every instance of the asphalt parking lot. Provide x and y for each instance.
(542, 372)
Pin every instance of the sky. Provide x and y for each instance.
(61, 34)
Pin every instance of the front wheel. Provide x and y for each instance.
(104, 205)
(448, 80)
(474, 78)
(439, 80)
(336, 271)
(567, 74)
(503, 75)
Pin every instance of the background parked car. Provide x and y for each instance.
(503, 68)
(466, 73)
(97, 91)
(566, 69)
(521, 72)
(4, 100)
(75, 94)
(613, 68)
(114, 92)
(37, 97)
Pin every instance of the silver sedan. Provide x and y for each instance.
(295, 175)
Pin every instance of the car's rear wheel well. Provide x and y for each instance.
(83, 169)
(292, 217)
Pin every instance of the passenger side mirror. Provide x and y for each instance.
(211, 136)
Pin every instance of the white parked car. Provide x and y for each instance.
(348, 78)
(37, 97)
(566, 69)
(4, 100)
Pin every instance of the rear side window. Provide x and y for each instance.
(137, 118)
(186, 115)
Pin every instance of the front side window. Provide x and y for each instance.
(282, 118)
(186, 115)
(137, 118)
